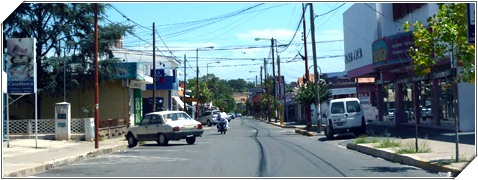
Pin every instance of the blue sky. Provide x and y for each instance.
(233, 35)
(231, 27)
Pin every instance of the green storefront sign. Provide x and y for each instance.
(138, 106)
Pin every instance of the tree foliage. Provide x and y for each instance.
(65, 35)
(306, 94)
(449, 33)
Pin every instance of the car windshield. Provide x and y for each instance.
(176, 116)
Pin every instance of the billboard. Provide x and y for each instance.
(20, 66)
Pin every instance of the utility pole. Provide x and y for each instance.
(307, 106)
(154, 70)
(273, 76)
(268, 93)
(279, 79)
(305, 44)
(97, 113)
(316, 74)
(261, 75)
(184, 89)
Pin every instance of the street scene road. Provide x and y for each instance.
(251, 148)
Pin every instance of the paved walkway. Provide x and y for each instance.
(26, 157)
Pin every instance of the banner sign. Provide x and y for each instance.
(392, 49)
(21, 66)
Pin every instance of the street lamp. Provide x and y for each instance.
(273, 66)
(317, 100)
(207, 69)
(197, 79)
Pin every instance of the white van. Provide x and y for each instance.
(343, 116)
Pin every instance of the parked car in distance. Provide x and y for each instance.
(391, 114)
(344, 115)
(238, 115)
(208, 117)
(163, 126)
(230, 116)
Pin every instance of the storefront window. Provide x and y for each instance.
(447, 115)
(426, 101)
(408, 102)
(389, 102)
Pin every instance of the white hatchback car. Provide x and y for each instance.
(163, 126)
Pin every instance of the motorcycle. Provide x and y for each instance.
(222, 127)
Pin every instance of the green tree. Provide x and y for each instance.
(448, 35)
(65, 35)
(306, 96)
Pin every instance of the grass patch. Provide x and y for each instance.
(362, 139)
(141, 142)
(387, 143)
(442, 162)
(409, 148)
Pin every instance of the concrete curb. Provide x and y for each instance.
(402, 159)
(64, 161)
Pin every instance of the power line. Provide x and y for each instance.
(128, 18)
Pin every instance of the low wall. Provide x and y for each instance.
(25, 128)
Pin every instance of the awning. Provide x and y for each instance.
(178, 100)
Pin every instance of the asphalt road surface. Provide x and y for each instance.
(250, 148)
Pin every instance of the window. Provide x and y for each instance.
(155, 119)
(146, 120)
(353, 106)
(337, 108)
(176, 116)
(206, 113)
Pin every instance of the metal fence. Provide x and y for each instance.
(45, 126)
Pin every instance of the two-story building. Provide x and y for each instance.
(376, 51)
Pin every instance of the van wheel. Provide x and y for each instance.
(329, 133)
(209, 123)
(363, 127)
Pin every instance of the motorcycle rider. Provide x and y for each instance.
(221, 120)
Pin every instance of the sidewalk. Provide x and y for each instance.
(440, 159)
(26, 157)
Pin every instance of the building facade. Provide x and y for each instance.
(377, 49)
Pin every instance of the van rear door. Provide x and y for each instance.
(353, 114)
(337, 114)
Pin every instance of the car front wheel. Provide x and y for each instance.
(132, 142)
(162, 140)
(209, 123)
(191, 140)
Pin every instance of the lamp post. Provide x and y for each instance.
(197, 79)
(207, 69)
(273, 66)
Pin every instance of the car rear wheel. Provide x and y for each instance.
(132, 142)
(191, 140)
(162, 140)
